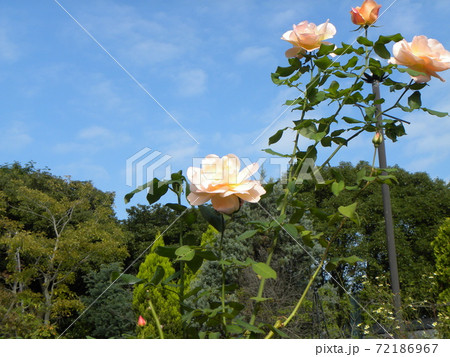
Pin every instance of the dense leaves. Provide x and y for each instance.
(53, 230)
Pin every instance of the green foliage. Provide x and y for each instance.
(144, 222)
(414, 194)
(110, 314)
(378, 316)
(243, 253)
(164, 298)
(52, 231)
(20, 315)
(441, 246)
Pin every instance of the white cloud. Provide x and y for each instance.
(146, 40)
(104, 92)
(92, 139)
(284, 19)
(95, 132)
(15, 137)
(254, 54)
(191, 82)
(150, 51)
(426, 148)
(85, 170)
(9, 51)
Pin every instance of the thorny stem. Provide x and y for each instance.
(373, 160)
(365, 47)
(385, 114)
(282, 212)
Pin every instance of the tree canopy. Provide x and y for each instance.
(53, 229)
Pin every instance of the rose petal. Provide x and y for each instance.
(242, 187)
(231, 165)
(226, 205)
(307, 36)
(194, 175)
(196, 199)
(253, 195)
(356, 17)
(290, 37)
(294, 52)
(326, 30)
(421, 78)
(423, 55)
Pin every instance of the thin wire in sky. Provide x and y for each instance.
(128, 73)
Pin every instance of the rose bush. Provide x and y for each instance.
(353, 110)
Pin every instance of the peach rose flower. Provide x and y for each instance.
(424, 55)
(220, 181)
(306, 36)
(365, 15)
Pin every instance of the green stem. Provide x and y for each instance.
(280, 323)
(373, 161)
(181, 287)
(157, 322)
(262, 283)
(299, 303)
(339, 148)
(380, 113)
(222, 297)
(365, 48)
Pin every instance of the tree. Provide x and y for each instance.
(419, 206)
(441, 246)
(111, 312)
(144, 222)
(53, 229)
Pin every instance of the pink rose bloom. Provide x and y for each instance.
(307, 36)
(424, 55)
(220, 181)
(365, 15)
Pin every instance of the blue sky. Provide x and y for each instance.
(66, 104)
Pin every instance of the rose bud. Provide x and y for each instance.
(377, 139)
(365, 15)
(141, 321)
